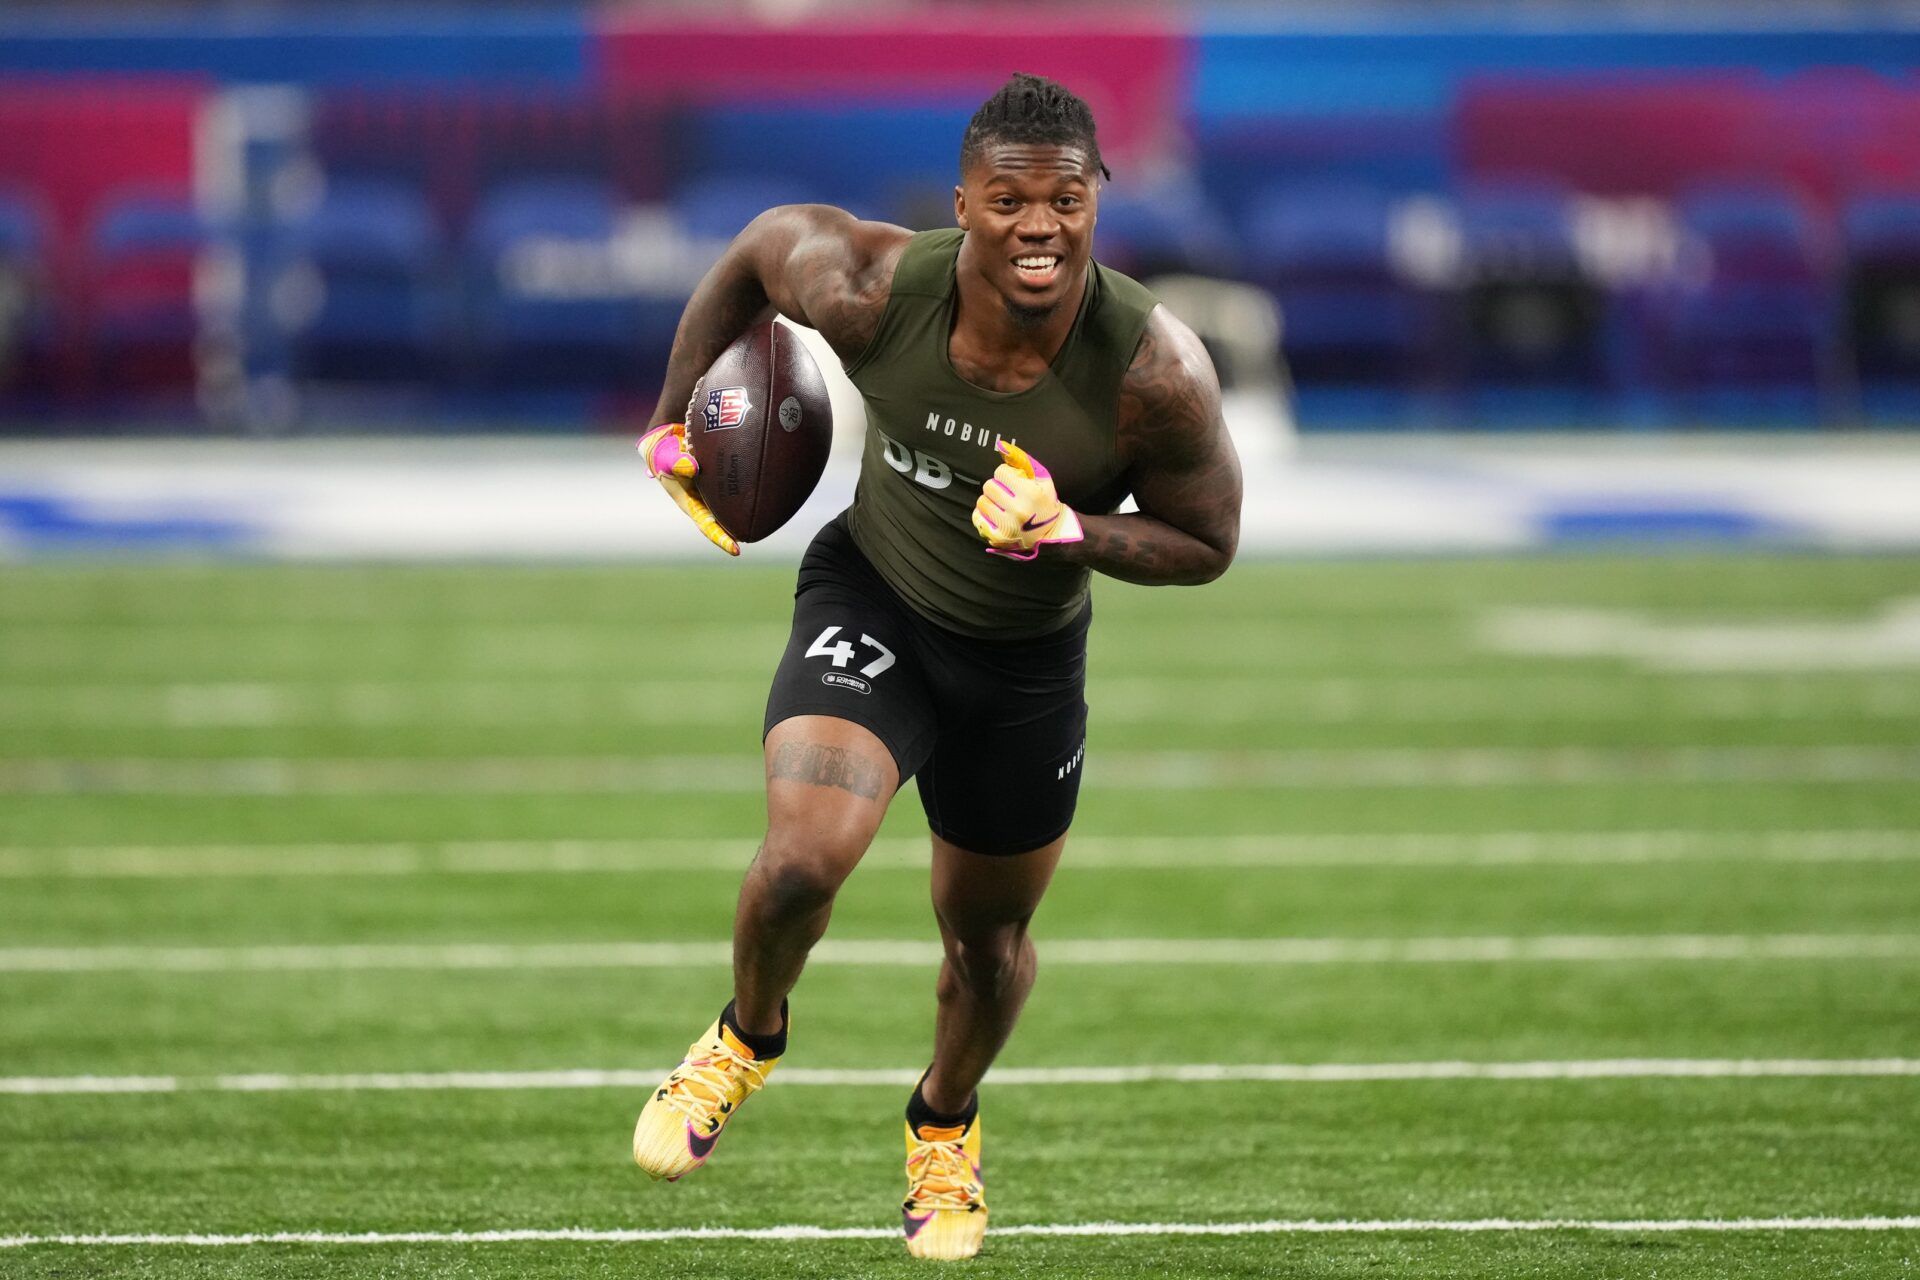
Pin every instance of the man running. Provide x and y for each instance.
(1016, 393)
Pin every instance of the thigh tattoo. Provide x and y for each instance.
(827, 767)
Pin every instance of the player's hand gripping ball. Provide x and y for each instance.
(671, 463)
(1019, 508)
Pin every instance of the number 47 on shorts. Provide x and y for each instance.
(841, 652)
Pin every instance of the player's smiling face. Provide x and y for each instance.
(1028, 211)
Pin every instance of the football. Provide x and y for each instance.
(760, 424)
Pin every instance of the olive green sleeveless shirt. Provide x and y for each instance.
(930, 447)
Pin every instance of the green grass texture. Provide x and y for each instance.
(204, 759)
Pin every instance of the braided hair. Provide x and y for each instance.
(1035, 111)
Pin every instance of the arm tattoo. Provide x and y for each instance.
(845, 310)
(1181, 463)
(719, 312)
(821, 766)
(815, 265)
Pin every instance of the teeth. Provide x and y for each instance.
(1034, 264)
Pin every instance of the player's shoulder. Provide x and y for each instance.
(834, 271)
(1168, 344)
(1170, 381)
(828, 237)
(876, 247)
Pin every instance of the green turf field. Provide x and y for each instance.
(1410, 901)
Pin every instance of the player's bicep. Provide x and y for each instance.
(1181, 462)
(764, 251)
(819, 267)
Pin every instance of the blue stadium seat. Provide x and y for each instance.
(367, 219)
(1752, 230)
(368, 294)
(1531, 327)
(1170, 227)
(1882, 224)
(1316, 229)
(1748, 331)
(1353, 325)
(569, 207)
(150, 223)
(20, 229)
(1516, 227)
(1242, 159)
(26, 311)
(547, 311)
(147, 251)
(1881, 233)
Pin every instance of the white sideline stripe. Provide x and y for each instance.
(487, 857)
(1273, 1226)
(904, 1077)
(911, 953)
(1130, 770)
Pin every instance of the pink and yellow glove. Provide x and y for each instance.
(1019, 509)
(671, 463)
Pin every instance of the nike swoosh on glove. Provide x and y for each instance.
(1019, 509)
(671, 463)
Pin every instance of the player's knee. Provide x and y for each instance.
(828, 835)
(988, 964)
(797, 879)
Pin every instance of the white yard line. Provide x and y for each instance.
(1212, 698)
(917, 954)
(1085, 852)
(904, 1077)
(275, 704)
(411, 858)
(1275, 1226)
(1131, 770)
(1890, 638)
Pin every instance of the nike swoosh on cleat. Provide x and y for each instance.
(701, 1147)
(1030, 526)
(913, 1224)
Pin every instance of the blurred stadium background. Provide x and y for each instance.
(1563, 712)
(290, 222)
(286, 218)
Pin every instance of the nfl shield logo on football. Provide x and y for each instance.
(726, 407)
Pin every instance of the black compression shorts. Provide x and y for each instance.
(992, 730)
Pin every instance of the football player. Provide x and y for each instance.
(1016, 393)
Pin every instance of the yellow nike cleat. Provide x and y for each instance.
(945, 1214)
(682, 1121)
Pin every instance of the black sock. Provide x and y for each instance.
(921, 1115)
(762, 1047)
